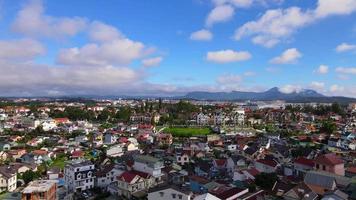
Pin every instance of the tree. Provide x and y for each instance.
(328, 127)
(266, 180)
(29, 176)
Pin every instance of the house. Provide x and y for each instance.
(197, 184)
(36, 157)
(106, 175)
(301, 165)
(321, 182)
(233, 193)
(206, 196)
(266, 166)
(41, 189)
(182, 158)
(248, 174)
(350, 172)
(300, 192)
(335, 195)
(149, 165)
(110, 138)
(8, 178)
(169, 193)
(79, 175)
(165, 139)
(202, 119)
(330, 163)
(130, 184)
(4, 146)
(334, 142)
(115, 151)
(4, 155)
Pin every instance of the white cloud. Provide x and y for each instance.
(202, 35)
(336, 88)
(345, 47)
(23, 78)
(317, 85)
(277, 25)
(119, 51)
(32, 21)
(288, 56)
(23, 49)
(274, 26)
(150, 62)
(335, 7)
(322, 69)
(346, 70)
(287, 89)
(236, 3)
(221, 13)
(227, 56)
(102, 32)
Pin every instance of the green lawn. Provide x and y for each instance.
(187, 132)
(59, 162)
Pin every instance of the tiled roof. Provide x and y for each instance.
(304, 161)
(127, 176)
(271, 163)
(328, 159)
(229, 193)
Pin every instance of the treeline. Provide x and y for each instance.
(319, 109)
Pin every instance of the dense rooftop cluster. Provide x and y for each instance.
(173, 149)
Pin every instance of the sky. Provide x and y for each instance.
(165, 48)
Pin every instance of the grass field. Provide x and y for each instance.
(59, 162)
(187, 132)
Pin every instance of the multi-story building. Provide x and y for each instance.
(7, 179)
(149, 165)
(79, 175)
(40, 189)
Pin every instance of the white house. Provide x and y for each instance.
(267, 166)
(107, 175)
(169, 193)
(149, 165)
(115, 151)
(79, 175)
(8, 179)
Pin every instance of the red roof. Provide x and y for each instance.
(127, 176)
(229, 193)
(141, 174)
(304, 161)
(220, 162)
(78, 154)
(253, 171)
(328, 159)
(351, 170)
(39, 152)
(271, 163)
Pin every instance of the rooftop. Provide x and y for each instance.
(39, 186)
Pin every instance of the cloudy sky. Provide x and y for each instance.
(161, 47)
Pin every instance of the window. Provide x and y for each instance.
(324, 167)
(79, 176)
(180, 196)
(317, 166)
(161, 194)
(173, 196)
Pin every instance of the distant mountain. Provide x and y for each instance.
(305, 95)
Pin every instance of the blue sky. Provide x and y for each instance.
(165, 47)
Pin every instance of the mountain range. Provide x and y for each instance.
(272, 94)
